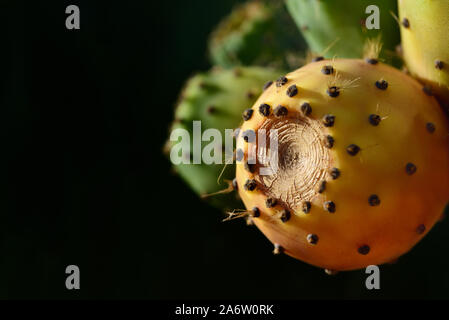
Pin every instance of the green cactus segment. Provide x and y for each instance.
(256, 33)
(218, 99)
(425, 43)
(339, 26)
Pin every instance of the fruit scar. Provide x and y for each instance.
(363, 166)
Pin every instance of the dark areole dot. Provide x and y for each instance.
(250, 185)
(327, 70)
(334, 173)
(421, 228)
(312, 238)
(255, 212)
(329, 142)
(270, 202)
(374, 119)
(306, 109)
(439, 64)
(329, 120)
(382, 84)
(373, 200)
(265, 109)
(321, 187)
(280, 111)
(285, 215)
(316, 59)
(352, 149)
(247, 114)
(406, 23)
(364, 249)
(329, 206)
(306, 206)
(333, 92)
(249, 136)
(410, 168)
(372, 61)
(281, 81)
(430, 127)
(292, 91)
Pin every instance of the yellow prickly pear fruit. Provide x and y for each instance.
(362, 169)
(425, 38)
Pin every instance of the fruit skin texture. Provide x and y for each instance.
(387, 195)
(425, 41)
(322, 22)
(256, 33)
(217, 98)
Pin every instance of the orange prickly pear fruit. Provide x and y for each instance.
(362, 168)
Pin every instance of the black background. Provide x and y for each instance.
(84, 116)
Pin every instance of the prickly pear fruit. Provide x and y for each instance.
(217, 99)
(425, 38)
(337, 28)
(256, 33)
(363, 163)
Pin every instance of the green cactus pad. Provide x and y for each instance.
(337, 28)
(256, 33)
(218, 99)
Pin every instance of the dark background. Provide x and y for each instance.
(83, 118)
